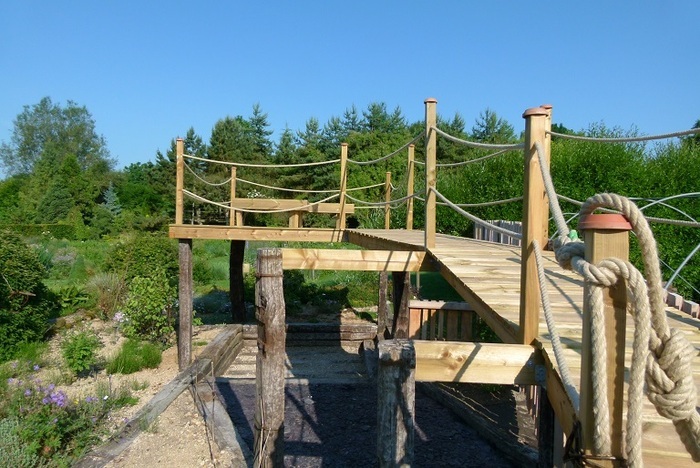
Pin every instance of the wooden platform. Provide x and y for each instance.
(487, 275)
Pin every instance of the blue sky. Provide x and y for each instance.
(149, 70)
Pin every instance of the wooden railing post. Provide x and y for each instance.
(409, 186)
(605, 236)
(232, 212)
(430, 171)
(340, 224)
(185, 297)
(270, 369)
(179, 180)
(547, 148)
(387, 200)
(396, 402)
(535, 216)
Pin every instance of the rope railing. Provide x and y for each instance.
(663, 136)
(393, 203)
(476, 219)
(226, 205)
(283, 189)
(390, 155)
(271, 166)
(476, 144)
(204, 181)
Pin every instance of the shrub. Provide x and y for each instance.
(25, 302)
(108, 290)
(149, 308)
(144, 255)
(134, 356)
(79, 351)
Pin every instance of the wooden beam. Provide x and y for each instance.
(354, 260)
(295, 205)
(494, 363)
(256, 233)
(185, 297)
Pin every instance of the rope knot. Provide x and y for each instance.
(565, 249)
(669, 378)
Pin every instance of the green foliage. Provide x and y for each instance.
(134, 356)
(79, 350)
(25, 302)
(108, 292)
(72, 298)
(144, 256)
(149, 308)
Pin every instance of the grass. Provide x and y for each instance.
(133, 356)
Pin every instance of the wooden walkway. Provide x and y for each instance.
(487, 275)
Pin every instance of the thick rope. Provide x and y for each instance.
(271, 166)
(625, 139)
(471, 161)
(392, 203)
(475, 144)
(247, 210)
(282, 189)
(206, 182)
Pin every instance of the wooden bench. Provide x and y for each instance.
(294, 208)
(439, 320)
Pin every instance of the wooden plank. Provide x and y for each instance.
(495, 363)
(358, 260)
(439, 305)
(255, 233)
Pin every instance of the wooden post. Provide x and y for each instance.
(232, 212)
(396, 401)
(387, 199)
(340, 223)
(430, 171)
(236, 281)
(401, 281)
(383, 323)
(179, 180)
(409, 186)
(270, 369)
(535, 215)
(547, 148)
(185, 296)
(605, 236)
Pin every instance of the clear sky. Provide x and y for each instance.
(149, 70)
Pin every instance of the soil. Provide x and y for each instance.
(325, 424)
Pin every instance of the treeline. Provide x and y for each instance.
(60, 176)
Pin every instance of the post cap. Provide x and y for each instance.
(430, 99)
(609, 221)
(535, 111)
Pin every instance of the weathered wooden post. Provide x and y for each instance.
(185, 296)
(232, 212)
(535, 216)
(387, 200)
(340, 223)
(409, 186)
(270, 368)
(236, 281)
(430, 171)
(396, 402)
(179, 180)
(605, 236)
(401, 285)
(384, 327)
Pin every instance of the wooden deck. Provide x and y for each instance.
(487, 275)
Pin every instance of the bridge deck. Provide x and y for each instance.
(487, 275)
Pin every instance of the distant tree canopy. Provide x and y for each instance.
(58, 170)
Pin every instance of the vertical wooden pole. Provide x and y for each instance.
(179, 180)
(236, 281)
(270, 368)
(409, 186)
(340, 223)
(185, 296)
(396, 402)
(605, 236)
(387, 199)
(382, 307)
(535, 215)
(430, 171)
(232, 212)
(547, 148)
(401, 281)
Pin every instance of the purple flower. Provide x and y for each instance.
(51, 387)
(90, 399)
(27, 392)
(36, 367)
(10, 381)
(59, 399)
(45, 400)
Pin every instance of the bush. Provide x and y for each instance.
(134, 356)
(143, 255)
(149, 308)
(108, 290)
(25, 302)
(79, 351)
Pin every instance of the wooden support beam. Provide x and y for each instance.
(270, 369)
(185, 297)
(232, 214)
(402, 294)
(396, 403)
(387, 200)
(236, 281)
(256, 233)
(410, 175)
(494, 363)
(384, 325)
(179, 181)
(291, 205)
(430, 171)
(340, 223)
(353, 260)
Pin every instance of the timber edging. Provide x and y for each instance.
(219, 354)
